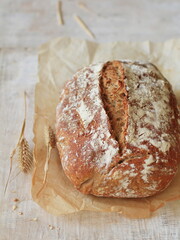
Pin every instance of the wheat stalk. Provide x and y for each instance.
(59, 13)
(50, 142)
(83, 26)
(21, 146)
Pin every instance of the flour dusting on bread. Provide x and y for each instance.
(149, 107)
(129, 150)
(147, 168)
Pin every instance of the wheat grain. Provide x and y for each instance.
(25, 156)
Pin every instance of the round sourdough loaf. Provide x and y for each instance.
(117, 130)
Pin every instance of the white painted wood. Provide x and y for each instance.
(24, 25)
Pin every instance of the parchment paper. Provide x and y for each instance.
(58, 60)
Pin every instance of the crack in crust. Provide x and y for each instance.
(114, 97)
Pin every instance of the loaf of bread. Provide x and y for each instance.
(117, 130)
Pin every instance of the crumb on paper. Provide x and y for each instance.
(51, 227)
(20, 213)
(34, 219)
(16, 200)
(83, 26)
(59, 13)
(14, 207)
(13, 191)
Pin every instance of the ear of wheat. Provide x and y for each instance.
(25, 157)
(50, 141)
(24, 151)
(50, 137)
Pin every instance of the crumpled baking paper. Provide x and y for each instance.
(59, 59)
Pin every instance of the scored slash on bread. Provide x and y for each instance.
(117, 130)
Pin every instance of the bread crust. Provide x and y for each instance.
(109, 155)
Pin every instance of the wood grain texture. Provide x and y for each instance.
(24, 25)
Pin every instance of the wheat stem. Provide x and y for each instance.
(50, 142)
(59, 13)
(83, 25)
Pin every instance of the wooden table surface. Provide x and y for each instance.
(24, 25)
